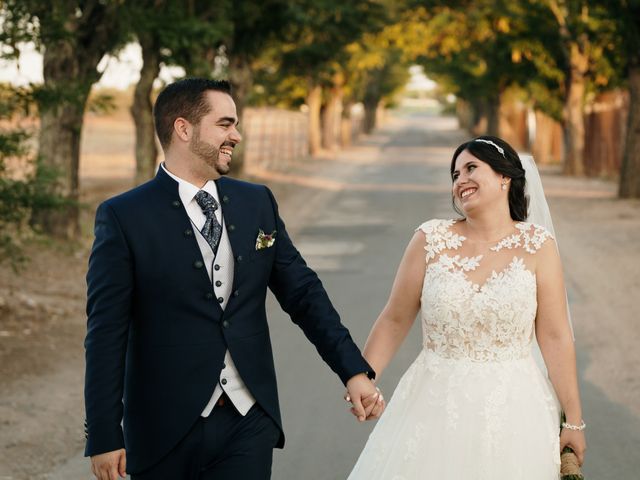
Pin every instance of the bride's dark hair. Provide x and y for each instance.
(508, 165)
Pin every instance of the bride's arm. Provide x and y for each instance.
(556, 341)
(401, 309)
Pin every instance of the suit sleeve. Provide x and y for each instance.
(109, 290)
(301, 294)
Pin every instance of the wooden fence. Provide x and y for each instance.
(274, 137)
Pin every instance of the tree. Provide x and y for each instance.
(319, 35)
(169, 33)
(74, 36)
(25, 189)
(582, 26)
(469, 48)
(629, 24)
(256, 26)
(377, 69)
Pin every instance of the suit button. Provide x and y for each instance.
(223, 381)
(175, 204)
(239, 258)
(218, 283)
(209, 296)
(220, 299)
(216, 267)
(198, 264)
(232, 227)
(226, 324)
(236, 293)
(188, 232)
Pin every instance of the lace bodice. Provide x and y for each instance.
(479, 300)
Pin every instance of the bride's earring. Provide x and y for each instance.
(504, 184)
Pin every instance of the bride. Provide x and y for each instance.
(474, 404)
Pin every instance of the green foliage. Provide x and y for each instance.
(316, 47)
(182, 34)
(25, 186)
(321, 30)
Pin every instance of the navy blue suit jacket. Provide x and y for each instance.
(156, 336)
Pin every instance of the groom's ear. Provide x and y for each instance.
(183, 129)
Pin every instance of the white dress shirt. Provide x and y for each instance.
(222, 283)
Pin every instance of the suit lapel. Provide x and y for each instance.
(179, 218)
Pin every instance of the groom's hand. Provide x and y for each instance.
(110, 465)
(360, 389)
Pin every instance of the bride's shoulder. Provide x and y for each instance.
(535, 236)
(435, 226)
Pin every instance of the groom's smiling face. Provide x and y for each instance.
(216, 135)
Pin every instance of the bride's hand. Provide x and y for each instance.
(574, 440)
(373, 404)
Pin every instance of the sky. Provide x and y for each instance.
(118, 71)
(122, 70)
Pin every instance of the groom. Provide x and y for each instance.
(177, 344)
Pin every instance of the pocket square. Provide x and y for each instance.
(265, 240)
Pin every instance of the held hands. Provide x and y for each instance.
(366, 399)
(109, 465)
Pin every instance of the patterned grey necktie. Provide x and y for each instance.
(211, 230)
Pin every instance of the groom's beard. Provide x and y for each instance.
(209, 153)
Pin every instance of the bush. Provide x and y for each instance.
(24, 184)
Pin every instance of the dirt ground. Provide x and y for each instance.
(42, 320)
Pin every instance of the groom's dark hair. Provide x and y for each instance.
(184, 98)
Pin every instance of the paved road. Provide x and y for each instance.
(352, 219)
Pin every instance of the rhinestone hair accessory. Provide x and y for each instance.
(500, 149)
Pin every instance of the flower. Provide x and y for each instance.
(265, 240)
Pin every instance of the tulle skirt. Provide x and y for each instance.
(452, 419)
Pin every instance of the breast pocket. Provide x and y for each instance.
(265, 254)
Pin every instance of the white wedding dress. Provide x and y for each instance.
(474, 405)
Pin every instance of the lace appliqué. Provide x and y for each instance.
(440, 237)
(531, 242)
(461, 319)
(489, 322)
(466, 264)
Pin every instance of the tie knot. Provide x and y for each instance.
(207, 203)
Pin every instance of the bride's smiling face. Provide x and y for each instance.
(475, 183)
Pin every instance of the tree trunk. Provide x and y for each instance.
(141, 110)
(241, 79)
(59, 150)
(630, 172)
(513, 121)
(464, 114)
(478, 109)
(546, 147)
(605, 133)
(371, 100)
(575, 48)
(574, 112)
(493, 115)
(370, 114)
(381, 113)
(332, 117)
(346, 126)
(69, 70)
(314, 102)
(61, 117)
